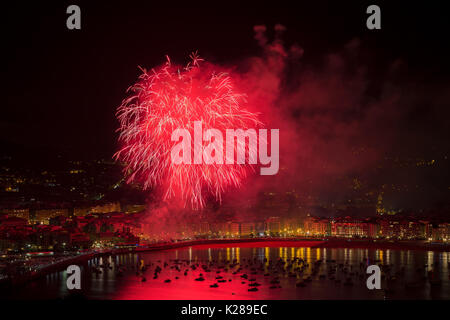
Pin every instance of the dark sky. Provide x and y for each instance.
(61, 87)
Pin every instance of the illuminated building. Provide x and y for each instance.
(441, 232)
(273, 225)
(235, 228)
(316, 227)
(106, 208)
(19, 213)
(347, 227)
(133, 208)
(80, 212)
(43, 216)
(247, 228)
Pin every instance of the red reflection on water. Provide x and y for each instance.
(187, 288)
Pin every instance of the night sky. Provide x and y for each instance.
(62, 87)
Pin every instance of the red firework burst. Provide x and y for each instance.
(168, 98)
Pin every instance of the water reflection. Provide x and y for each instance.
(298, 272)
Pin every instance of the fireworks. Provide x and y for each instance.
(168, 98)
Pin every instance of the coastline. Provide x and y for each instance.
(415, 245)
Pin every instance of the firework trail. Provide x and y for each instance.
(168, 98)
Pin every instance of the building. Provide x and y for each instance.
(106, 208)
(313, 226)
(18, 213)
(348, 227)
(43, 216)
(273, 225)
(248, 229)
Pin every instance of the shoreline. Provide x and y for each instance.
(415, 245)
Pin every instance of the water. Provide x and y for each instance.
(109, 285)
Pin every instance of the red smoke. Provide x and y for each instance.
(340, 115)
